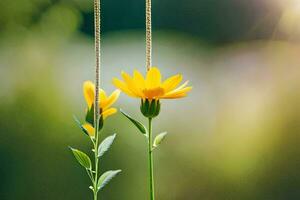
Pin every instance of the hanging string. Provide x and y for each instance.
(97, 25)
(148, 35)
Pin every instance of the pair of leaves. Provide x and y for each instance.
(158, 139)
(84, 159)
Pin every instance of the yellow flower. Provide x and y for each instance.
(151, 87)
(105, 102)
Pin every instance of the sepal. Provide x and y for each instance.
(89, 117)
(150, 108)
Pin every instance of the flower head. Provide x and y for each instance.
(105, 103)
(152, 87)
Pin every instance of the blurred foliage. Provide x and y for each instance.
(214, 21)
(235, 137)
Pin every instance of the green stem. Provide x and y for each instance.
(96, 158)
(151, 175)
(90, 174)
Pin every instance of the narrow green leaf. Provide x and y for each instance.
(106, 177)
(138, 124)
(159, 138)
(105, 145)
(80, 125)
(82, 158)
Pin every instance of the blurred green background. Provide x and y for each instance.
(235, 137)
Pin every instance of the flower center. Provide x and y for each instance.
(153, 92)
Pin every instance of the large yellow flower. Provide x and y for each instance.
(105, 103)
(152, 87)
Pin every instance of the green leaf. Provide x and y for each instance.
(80, 125)
(82, 158)
(159, 138)
(105, 145)
(138, 124)
(106, 177)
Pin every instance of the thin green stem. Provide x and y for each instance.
(150, 152)
(90, 175)
(96, 162)
(96, 145)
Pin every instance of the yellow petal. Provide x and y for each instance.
(89, 128)
(175, 96)
(109, 112)
(102, 95)
(89, 92)
(122, 86)
(132, 86)
(182, 86)
(102, 98)
(177, 93)
(111, 99)
(171, 83)
(177, 89)
(154, 93)
(139, 80)
(153, 78)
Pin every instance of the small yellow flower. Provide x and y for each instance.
(152, 87)
(105, 102)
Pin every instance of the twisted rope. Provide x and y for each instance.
(97, 24)
(148, 35)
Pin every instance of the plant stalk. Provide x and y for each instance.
(150, 152)
(96, 163)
